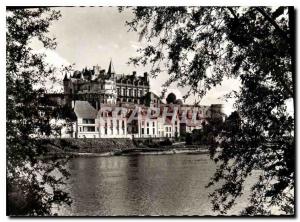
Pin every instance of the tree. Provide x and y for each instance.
(199, 47)
(171, 98)
(33, 182)
(233, 121)
(178, 102)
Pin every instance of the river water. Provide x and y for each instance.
(142, 185)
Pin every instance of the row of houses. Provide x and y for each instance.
(133, 121)
(120, 123)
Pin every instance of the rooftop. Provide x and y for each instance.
(83, 109)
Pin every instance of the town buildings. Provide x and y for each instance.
(111, 105)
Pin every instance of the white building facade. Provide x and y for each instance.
(119, 122)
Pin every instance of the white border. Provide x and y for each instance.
(5, 3)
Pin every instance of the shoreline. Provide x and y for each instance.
(116, 147)
(142, 151)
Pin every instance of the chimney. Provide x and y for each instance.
(146, 76)
(134, 73)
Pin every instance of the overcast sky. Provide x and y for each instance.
(89, 36)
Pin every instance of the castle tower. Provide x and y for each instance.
(110, 85)
(66, 84)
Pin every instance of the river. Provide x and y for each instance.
(142, 185)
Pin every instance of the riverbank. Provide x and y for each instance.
(143, 151)
(114, 147)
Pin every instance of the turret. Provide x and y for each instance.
(96, 69)
(66, 82)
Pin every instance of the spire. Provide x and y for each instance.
(111, 69)
(66, 77)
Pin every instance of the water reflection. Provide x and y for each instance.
(140, 185)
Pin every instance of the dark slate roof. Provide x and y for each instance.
(131, 78)
(83, 109)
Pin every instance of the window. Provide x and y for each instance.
(147, 131)
(88, 129)
(142, 130)
(153, 131)
(123, 123)
(79, 129)
(124, 92)
(105, 131)
(153, 124)
(88, 121)
(118, 91)
(148, 124)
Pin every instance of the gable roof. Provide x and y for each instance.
(83, 109)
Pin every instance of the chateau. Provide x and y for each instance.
(111, 105)
(97, 86)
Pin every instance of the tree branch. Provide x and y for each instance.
(276, 26)
(232, 12)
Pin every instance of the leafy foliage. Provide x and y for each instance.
(199, 46)
(33, 182)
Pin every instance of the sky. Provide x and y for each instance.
(88, 36)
